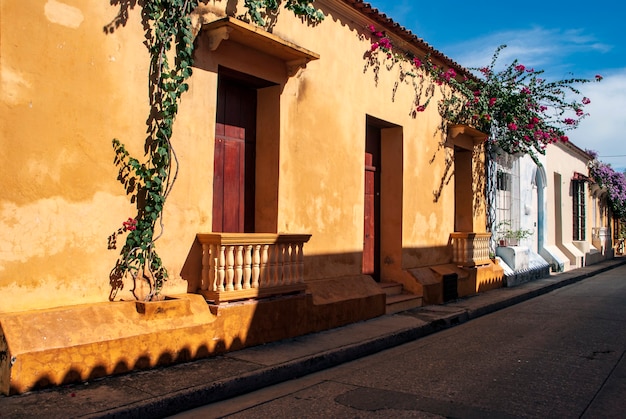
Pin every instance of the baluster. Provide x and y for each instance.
(273, 266)
(300, 263)
(238, 279)
(206, 268)
(265, 271)
(220, 261)
(280, 264)
(256, 260)
(230, 268)
(247, 266)
(290, 265)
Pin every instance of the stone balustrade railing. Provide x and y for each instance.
(470, 249)
(237, 266)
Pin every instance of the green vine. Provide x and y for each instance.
(167, 26)
(259, 9)
(169, 39)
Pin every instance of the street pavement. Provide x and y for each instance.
(167, 391)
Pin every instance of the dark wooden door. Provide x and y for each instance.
(371, 231)
(234, 161)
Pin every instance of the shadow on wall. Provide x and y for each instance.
(184, 354)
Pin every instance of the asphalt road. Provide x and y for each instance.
(560, 355)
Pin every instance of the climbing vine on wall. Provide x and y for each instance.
(148, 182)
(257, 10)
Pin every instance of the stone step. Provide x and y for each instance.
(391, 288)
(402, 302)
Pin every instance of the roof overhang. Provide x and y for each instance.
(254, 37)
(465, 136)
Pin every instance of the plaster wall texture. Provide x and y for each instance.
(563, 161)
(73, 79)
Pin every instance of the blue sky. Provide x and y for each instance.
(563, 38)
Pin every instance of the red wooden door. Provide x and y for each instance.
(234, 160)
(371, 231)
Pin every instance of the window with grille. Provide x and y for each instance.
(578, 192)
(507, 191)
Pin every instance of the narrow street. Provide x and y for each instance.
(561, 355)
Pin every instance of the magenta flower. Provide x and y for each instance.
(599, 77)
(375, 46)
(579, 112)
(417, 62)
(569, 121)
(130, 224)
(492, 101)
(520, 68)
(586, 101)
(526, 90)
(564, 138)
(512, 126)
(420, 108)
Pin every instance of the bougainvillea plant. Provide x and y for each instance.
(168, 26)
(520, 110)
(614, 183)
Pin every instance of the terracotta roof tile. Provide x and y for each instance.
(391, 26)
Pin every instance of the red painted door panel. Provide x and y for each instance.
(371, 225)
(234, 160)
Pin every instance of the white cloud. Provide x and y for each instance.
(540, 48)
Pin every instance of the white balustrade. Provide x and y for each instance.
(237, 266)
(470, 249)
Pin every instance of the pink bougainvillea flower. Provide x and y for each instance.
(599, 77)
(543, 108)
(530, 70)
(417, 62)
(526, 91)
(420, 108)
(520, 68)
(477, 93)
(372, 28)
(375, 46)
(492, 101)
(564, 138)
(586, 101)
(512, 126)
(130, 224)
(579, 112)
(569, 121)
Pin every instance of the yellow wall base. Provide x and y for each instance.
(77, 343)
(481, 278)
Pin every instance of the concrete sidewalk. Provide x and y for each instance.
(166, 391)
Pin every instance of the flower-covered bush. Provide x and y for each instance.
(520, 110)
(614, 182)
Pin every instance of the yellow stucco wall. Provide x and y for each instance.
(72, 80)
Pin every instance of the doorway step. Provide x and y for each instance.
(399, 299)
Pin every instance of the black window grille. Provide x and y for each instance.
(579, 209)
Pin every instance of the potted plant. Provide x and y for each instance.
(508, 236)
